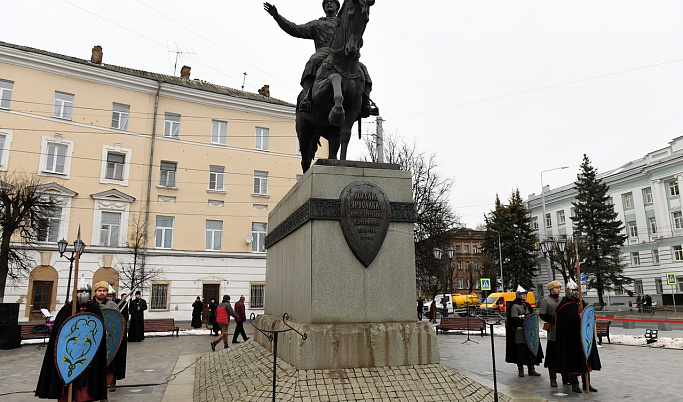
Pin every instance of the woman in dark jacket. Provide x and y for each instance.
(197, 308)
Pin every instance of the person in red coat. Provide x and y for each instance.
(239, 309)
(223, 313)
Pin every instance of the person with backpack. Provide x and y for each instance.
(223, 313)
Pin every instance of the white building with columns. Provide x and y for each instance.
(646, 196)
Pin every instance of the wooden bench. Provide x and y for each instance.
(34, 330)
(461, 324)
(161, 325)
(602, 329)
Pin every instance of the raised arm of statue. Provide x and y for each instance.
(304, 31)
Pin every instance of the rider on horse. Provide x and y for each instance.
(322, 32)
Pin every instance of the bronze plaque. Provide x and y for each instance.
(365, 214)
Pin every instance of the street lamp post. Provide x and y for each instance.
(438, 253)
(79, 247)
(543, 221)
(547, 247)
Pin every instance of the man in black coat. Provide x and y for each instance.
(93, 381)
(137, 306)
(570, 358)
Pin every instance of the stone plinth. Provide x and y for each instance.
(354, 316)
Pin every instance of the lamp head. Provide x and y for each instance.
(62, 247)
(449, 252)
(437, 253)
(79, 246)
(561, 244)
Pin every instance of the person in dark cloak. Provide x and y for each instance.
(92, 383)
(197, 309)
(117, 368)
(137, 306)
(570, 358)
(516, 350)
(213, 305)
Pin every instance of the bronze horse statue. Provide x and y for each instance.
(338, 88)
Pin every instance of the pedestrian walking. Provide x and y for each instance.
(223, 314)
(432, 311)
(419, 308)
(239, 328)
(212, 316)
(546, 311)
(137, 307)
(197, 309)
(516, 350)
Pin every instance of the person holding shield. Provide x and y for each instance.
(104, 296)
(570, 358)
(516, 350)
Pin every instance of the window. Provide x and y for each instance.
(115, 164)
(658, 285)
(638, 286)
(673, 188)
(652, 225)
(476, 284)
(257, 295)
(63, 106)
(42, 295)
(628, 200)
(467, 248)
(219, 132)
(5, 143)
(171, 125)
(216, 178)
(469, 284)
(460, 283)
(6, 88)
(260, 183)
(50, 233)
(214, 232)
(632, 229)
(534, 223)
(458, 249)
(560, 218)
(119, 116)
(677, 253)
(655, 257)
(677, 219)
(167, 172)
(109, 229)
(548, 220)
(476, 265)
(647, 196)
(164, 236)
(56, 158)
(262, 138)
(475, 249)
(467, 264)
(258, 234)
(459, 264)
(635, 259)
(159, 297)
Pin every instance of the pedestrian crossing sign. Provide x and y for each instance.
(485, 283)
(670, 278)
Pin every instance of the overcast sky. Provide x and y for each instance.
(498, 90)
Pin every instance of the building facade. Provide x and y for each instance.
(467, 260)
(195, 166)
(646, 196)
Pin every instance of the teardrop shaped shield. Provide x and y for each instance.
(364, 215)
(531, 335)
(78, 340)
(115, 326)
(588, 329)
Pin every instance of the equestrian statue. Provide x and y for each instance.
(335, 85)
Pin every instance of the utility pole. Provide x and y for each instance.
(380, 140)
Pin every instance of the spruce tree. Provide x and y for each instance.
(596, 222)
(517, 242)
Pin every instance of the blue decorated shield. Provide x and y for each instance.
(77, 342)
(531, 335)
(588, 329)
(115, 325)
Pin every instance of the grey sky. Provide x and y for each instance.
(499, 90)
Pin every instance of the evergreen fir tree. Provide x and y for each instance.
(596, 222)
(517, 242)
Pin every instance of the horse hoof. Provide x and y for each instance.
(336, 117)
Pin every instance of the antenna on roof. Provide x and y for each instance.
(178, 52)
(244, 80)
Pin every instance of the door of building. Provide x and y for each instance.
(42, 294)
(209, 291)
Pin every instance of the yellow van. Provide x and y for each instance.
(497, 302)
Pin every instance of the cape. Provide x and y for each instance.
(569, 353)
(50, 385)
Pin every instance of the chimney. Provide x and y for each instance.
(96, 57)
(265, 91)
(185, 72)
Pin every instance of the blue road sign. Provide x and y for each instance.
(583, 277)
(670, 278)
(485, 283)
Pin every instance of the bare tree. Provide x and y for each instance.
(135, 273)
(25, 212)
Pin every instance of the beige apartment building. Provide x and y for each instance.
(196, 165)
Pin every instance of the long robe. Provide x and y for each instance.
(516, 350)
(50, 385)
(546, 311)
(570, 358)
(136, 328)
(118, 364)
(197, 309)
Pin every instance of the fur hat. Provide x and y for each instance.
(552, 285)
(100, 284)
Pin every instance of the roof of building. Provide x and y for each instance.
(169, 79)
